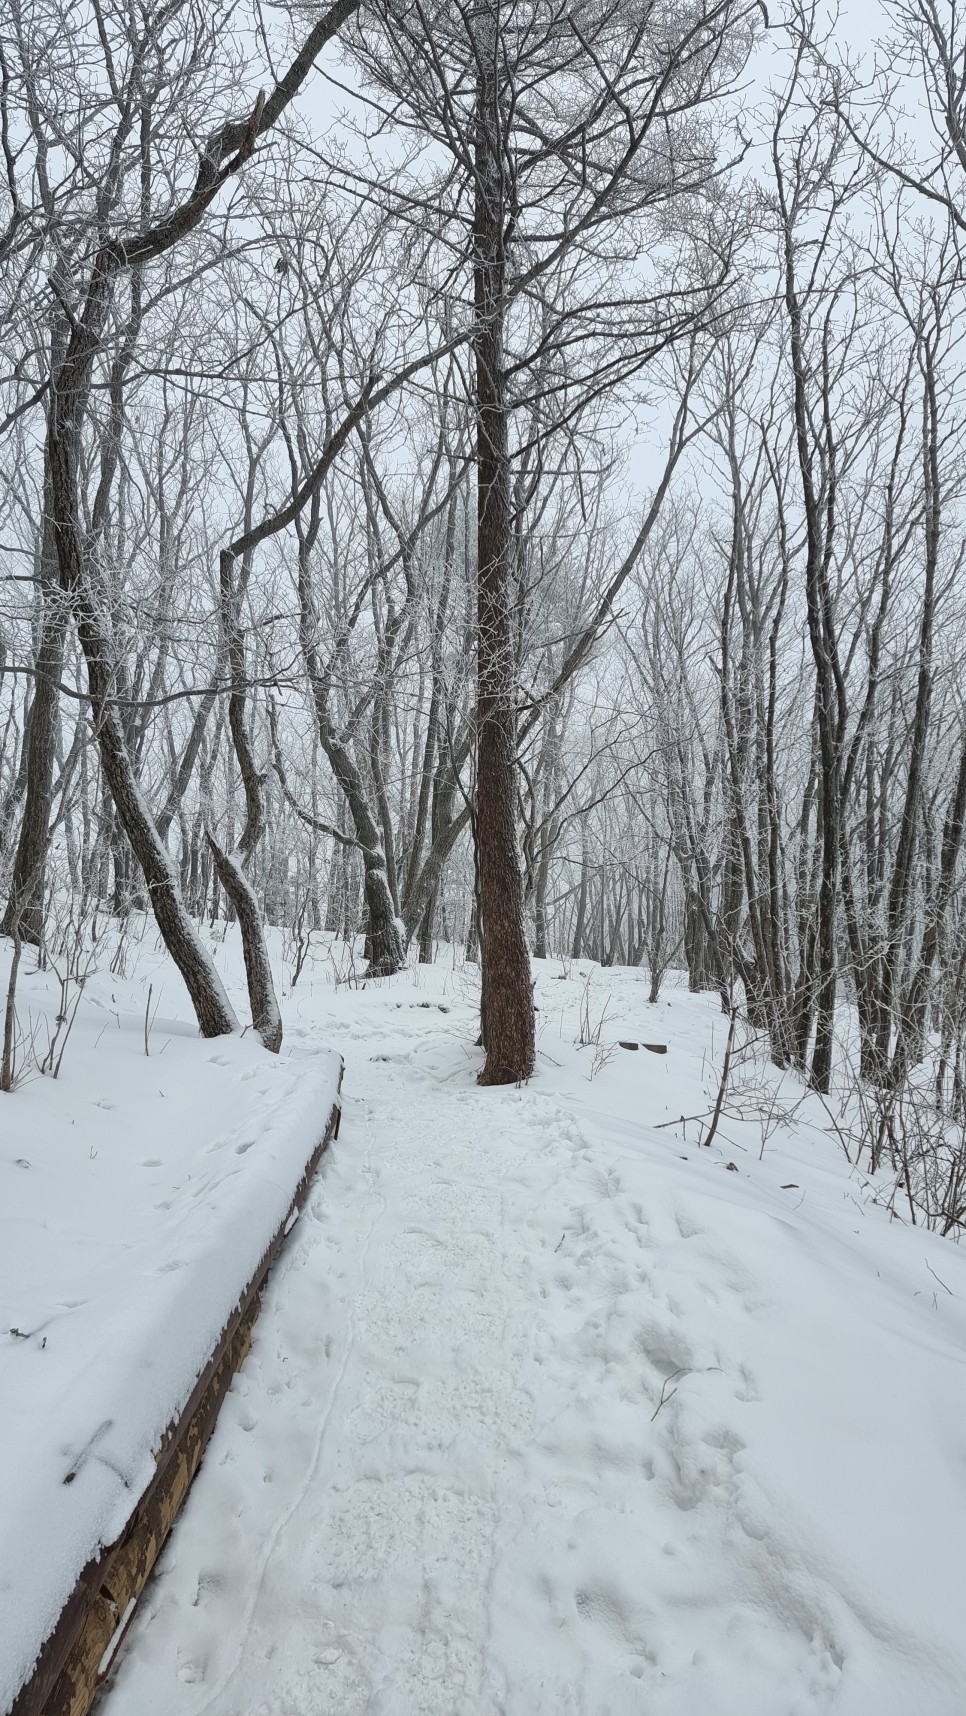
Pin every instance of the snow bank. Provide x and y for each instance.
(137, 1197)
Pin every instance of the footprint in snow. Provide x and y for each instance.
(208, 1582)
(191, 1673)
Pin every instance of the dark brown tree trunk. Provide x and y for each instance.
(509, 1032)
(25, 906)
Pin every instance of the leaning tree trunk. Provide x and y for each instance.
(70, 391)
(384, 941)
(509, 1024)
(386, 952)
(233, 867)
(225, 153)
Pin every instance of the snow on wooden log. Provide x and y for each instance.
(78, 1652)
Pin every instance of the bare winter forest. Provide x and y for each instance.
(494, 474)
(482, 857)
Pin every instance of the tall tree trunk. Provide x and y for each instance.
(25, 906)
(818, 999)
(899, 906)
(509, 1028)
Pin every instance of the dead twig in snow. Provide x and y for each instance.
(681, 1371)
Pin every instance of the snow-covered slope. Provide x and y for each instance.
(552, 1411)
(137, 1196)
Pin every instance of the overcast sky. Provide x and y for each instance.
(860, 25)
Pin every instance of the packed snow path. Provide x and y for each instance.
(548, 1412)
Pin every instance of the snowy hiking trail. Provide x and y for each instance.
(549, 1412)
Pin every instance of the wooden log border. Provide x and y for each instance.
(79, 1653)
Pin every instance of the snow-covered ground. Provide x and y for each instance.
(138, 1194)
(551, 1410)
